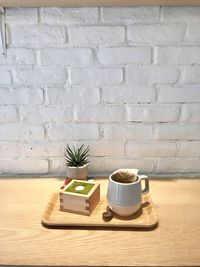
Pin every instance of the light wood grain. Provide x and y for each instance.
(23, 241)
(38, 3)
(144, 218)
(73, 202)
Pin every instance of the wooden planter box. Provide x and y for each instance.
(80, 197)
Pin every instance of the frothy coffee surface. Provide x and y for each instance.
(124, 176)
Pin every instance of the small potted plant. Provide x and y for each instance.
(77, 162)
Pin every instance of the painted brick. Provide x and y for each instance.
(132, 14)
(97, 166)
(18, 132)
(79, 96)
(191, 74)
(21, 56)
(73, 132)
(8, 114)
(5, 77)
(42, 114)
(139, 132)
(40, 149)
(124, 55)
(152, 74)
(128, 94)
(101, 113)
(60, 15)
(189, 149)
(193, 34)
(8, 150)
(22, 166)
(180, 14)
(21, 16)
(21, 96)
(151, 149)
(177, 165)
(41, 77)
(103, 148)
(113, 131)
(177, 55)
(118, 59)
(126, 132)
(67, 57)
(57, 166)
(97, 76)
(156, 33)
(179, 93)
(191, 113)
(152, 113)
(178, 132)
(97, 35)
(36, 35)
(144, 165)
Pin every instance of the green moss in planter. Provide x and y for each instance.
(75, 184)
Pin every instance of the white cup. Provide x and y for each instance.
(125, 199)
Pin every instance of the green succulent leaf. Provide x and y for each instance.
(76, 156)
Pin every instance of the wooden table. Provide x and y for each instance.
(24, 241)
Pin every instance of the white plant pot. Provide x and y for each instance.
(79, 173)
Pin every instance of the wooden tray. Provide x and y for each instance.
(145, 218)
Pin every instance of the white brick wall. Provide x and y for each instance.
(73, 132)
(125, 55)
(5, 77)
(180, 93)
(124, 80)
(128, 94)
(67, 57)
(102, 113)
(177, 55)
(193, 34)
(152, 113)
(191, 74)
(8, 114)
(36, 35)
(38, 76)
(69, 15)
(42, 114)
(78, 96)
(110, 35)
(96, 76)
(21, 56)
(131, 14)
(21, 166)
(156, 33)
(151, 149)
(20, 96)
(20, 132)
(152, 74)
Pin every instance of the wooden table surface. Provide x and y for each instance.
(24, 241)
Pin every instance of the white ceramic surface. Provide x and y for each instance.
(126, 198)
(124, 210)
(79, 173)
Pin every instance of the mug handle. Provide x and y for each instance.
(146, 183)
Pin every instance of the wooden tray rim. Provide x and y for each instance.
(46, 222)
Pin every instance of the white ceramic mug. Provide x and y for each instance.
(124, 199)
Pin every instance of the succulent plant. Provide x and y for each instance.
(76, 157)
